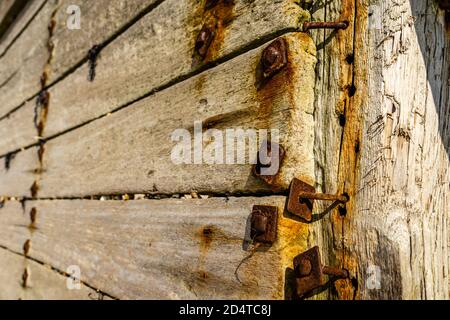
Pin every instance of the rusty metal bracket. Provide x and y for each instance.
(257, 168)
(264, 220)
(274, 58)
(309, 271)
(302, 196)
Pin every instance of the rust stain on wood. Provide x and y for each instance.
(351, 143)
(269, 92)
(217, 19)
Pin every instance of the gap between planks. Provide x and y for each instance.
(102, 293)
(77, 65)
(152, 196)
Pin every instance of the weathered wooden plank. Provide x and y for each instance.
(22, 67)
(402, 213)
(5, 7)
(154, 249)
(9, 11)
(334, 76)
(18, 173)
(135, 144)
(31, 57)
(21, 22)
(43, 283)
(18, 127)
(99, 21)
(391, 152)
(156, 51)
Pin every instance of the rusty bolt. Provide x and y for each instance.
(304, 267)
(203, 41)
(309, 271)
(264, 220)
(325, 25)
(337, 272)
(274, 58)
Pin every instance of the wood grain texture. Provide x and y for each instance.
(392, 155)
(19, 178)
(130, 150)
(155, 52)
(22, 66)
(39, 52)
(100, 20)
(43, 283)
(404, 190)
(23, 19)
(9, 10)
(154, 249)
(18, 128)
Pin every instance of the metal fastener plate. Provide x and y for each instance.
(300, 207)
(308, 270)
(264, 221)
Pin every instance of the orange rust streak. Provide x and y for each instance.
(218, 18)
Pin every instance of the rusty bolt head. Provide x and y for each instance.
(269, 179)
(260, 224)
(274, 58)
(264, 220)
(304, 268)
(203, 41)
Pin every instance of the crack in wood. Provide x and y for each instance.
(25, 278)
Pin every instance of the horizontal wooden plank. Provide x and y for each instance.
(43, 283)
(99, 21)
(156, 51)
(18, 173)
(130, 150)
(26, 61)
(159, 249)
(18, 127)
(27, 14)
(9, 10)
(22, 67)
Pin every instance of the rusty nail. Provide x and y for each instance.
(203, 41)
(274, 58)
(33, 214)
(264, 220)
(25, 276)
(8, 159)
(26, 247)
(309, 271)
(325, 25)
(92, 59)
(257, 168)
